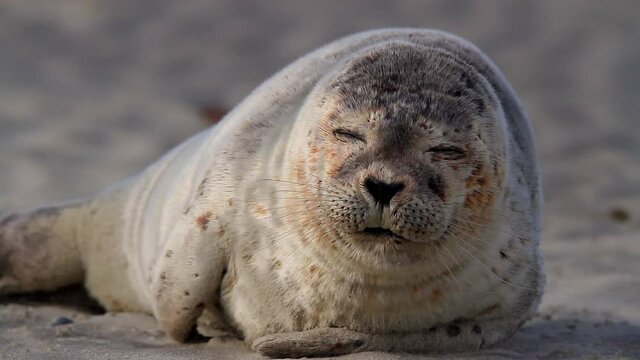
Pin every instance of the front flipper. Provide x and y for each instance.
(312, 343)
(456, 337)
(188, 274)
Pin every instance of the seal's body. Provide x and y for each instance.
(379, 193)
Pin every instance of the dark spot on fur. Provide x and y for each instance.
(480, 105)
(436, 185)
(186, 293)
(477, 170)
(454, 92)
(200, 305)
(468, 83)
(276, 264)
(503, 255)
(195, 275)
(432, 329)
(169, 254)
(476, 329)
(358, 343)
(453, 330)
(202, 186)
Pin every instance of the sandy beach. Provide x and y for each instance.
(91, 92)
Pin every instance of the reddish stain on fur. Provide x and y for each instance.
(297, 172)
(478, 199)
(259, 209)
(481, 197)
(312, 269)
(436, 295)
(203, 220)
(332, 171)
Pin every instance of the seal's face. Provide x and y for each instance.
(410, 150)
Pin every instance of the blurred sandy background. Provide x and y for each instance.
(92, 91)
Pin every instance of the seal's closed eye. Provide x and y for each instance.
(345, 135)
(448, 152)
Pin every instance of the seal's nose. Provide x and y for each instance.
(382, 192)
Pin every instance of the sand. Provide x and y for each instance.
(91, 92)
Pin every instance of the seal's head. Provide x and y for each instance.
(406, 147)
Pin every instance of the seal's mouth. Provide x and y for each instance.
(382, 232)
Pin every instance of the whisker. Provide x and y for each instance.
(504, 250)
(491, 271)
(301, 184)
(303, 192)
(471, 284)
(322, 180)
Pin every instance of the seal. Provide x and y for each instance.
(380, 193)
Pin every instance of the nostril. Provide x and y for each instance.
(382, 192)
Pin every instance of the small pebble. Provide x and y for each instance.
(619, 214)
(61, 320)
(212, 114)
